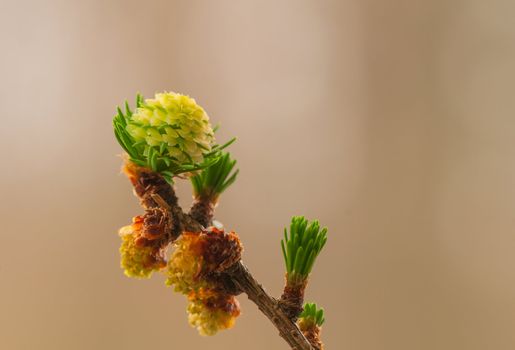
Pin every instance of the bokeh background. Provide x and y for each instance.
(393, 122)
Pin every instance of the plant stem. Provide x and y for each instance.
(202, 211)
(292, 299)
(153, 191)
(269, 306)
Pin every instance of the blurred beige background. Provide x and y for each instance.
(393, 122)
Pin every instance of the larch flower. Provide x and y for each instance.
(185, 264)
(137, 259)
(196, 255)
(175, 123)
(170, 134)
(211, 311)
(196, 259)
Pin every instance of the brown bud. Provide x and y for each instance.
(157, 223)
(221, 250)
(292, 299)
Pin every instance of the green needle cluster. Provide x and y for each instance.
(312, 314)
(301, 247)
(215, 179)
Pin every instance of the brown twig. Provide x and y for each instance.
(269, 306)
(202, 211)
(153, 191)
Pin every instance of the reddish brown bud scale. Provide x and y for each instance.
(292, 298)
(312, 333)
(202, 210)
(146, 183)
(215, 300)
(157, 223)
(221, 250)
(313, 336)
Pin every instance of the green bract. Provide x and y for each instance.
(312, 314)
(301, 247)
(169, 134)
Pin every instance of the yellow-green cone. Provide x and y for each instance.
(174, 123)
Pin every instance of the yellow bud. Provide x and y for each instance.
(136, 260)
(211, 312)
